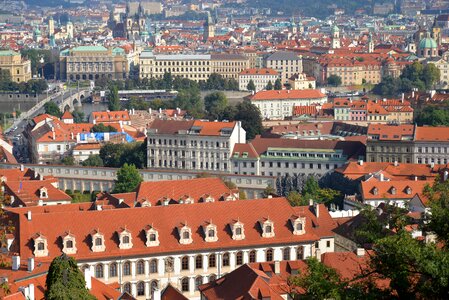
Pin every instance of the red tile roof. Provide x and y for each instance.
(432, 134)
(287, 94)
(27, 192)
(110, 116)
(166, 219)
(391, 132)
(393, 190)
(67, 115)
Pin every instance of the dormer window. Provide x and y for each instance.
(125, 238)
(43, 192)
(298, 224)
(152, 236)
(68, 243)
(375, 191)
(393, 190)
(207, 198)
(185, 235)
(40, 245)
(186, 199)
(97, 241)
(267, 228)
(238, 232)
(210, 231)
(408, 190)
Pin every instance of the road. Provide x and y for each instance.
(15, 133)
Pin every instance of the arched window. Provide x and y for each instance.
(41, 246)
(140, 288)
(153, 266)
(185, 263)
(126, 239)
(199, 262)
(140, 267)
(300, 252)
(127, 288)
(99, 271)
(225, 259)
(84, 268)
(198, 282)
(153, 287)
(212, 260)
(286, 254)
(127, 268)
(113, 270)
(252, 256)
(212, 277)
(185, 284)
(239, 258)
(269, 255)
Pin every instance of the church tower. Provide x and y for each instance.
(70, 31)
(51, 26)
(209, 28)
(335, 37)
(370, 43)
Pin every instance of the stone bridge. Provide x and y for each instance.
(71, 99)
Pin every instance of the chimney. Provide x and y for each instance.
(381, 177)
(30, 292)
(445, 175)
(360, 252)
(270, 196)
(22, 168)
(88, 278)
(361, 162)
(120, 201)
(310, 202)
(150, 110)
(396, 163)
(29, 215)
(277, 267)
(316, 208)
(54, 134)
(384, 99)
(30, 264)
(402, 97)
(15, 262)
(432, 165)
(416, 178)
(413, 93)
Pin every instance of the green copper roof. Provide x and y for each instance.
(7, 53)
(89, 48)
(427, 43)
(118, 50)
(335, 28)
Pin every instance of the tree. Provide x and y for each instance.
(215, 104)
(215, 82)
(311, 188)
(68, 160)
(250, 117)
(269, 191)
(78, 116)
(251, 86)
(278, 84)
(111, 154)
(114, 100)
(318, 281)
(269, 86)
(190, 100)
(52, 108)
(295, 199)
(100, 127)
(94, 160)
(433, 115)
(65, 280)
(168, 80)
(334, 80)
(128, 178)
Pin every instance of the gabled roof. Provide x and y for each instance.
(27, 192)
(394, 190)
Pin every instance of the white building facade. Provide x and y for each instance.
(260, 77)
(193, 145)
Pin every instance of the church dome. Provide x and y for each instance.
(335, 28)
(428, 43)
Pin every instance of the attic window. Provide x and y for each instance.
(393, 191)
(375, 191)
(125, 238)
(210, 232)
(408, 190)
(185, 234)
(40, 245)
(238, 231)
(298, 224)
(98, 241)
(152, 236)
(43, 193)
(69, 243)
(267, 228)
